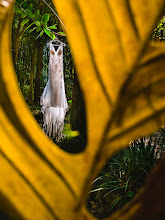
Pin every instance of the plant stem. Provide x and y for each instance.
(55, 14)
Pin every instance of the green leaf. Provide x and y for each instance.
(18, 10)
(38, 28)
(30, 7)
(44, 25)
(31, 30)
(24, 15)
(45, 18)
(19, 1)
(37, 15)
(37, 12)
(62, 33)
(25, 5)
(95, 190)
(37, 23)
(29, 27)
(130, 194)
(69, 133)
(29, 13)
(49, 33)
(25, 21)
(115, 202)
(41, 33)
(53, 26)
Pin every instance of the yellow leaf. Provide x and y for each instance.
(122, 78)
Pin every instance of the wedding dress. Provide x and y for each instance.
(53, 100)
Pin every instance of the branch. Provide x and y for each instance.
(55, 14)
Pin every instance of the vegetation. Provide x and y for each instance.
(123, 86)
(34, 25)
(158, 33)
(123, 175)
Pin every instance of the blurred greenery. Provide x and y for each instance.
(122, 177)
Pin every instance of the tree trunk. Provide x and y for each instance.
(78, 116)
(16, 42)
(32, 74)
(17, 39)
(37, 93)
(78, 120)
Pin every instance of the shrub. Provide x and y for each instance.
(121, 178)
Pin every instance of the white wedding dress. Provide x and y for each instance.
(53, 100)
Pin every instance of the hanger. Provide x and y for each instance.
(57, 42)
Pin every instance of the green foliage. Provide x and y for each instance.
(159, 31)
(49, 33)
(25, 21)
(69, 133)
(25, 89)
(62, 33)
(37, 15)
(45, 18)
(122, 177)
(53, 26)
(37, 19)
(32, 21)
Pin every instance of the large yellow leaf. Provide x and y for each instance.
(122, 78)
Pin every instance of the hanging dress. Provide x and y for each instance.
(53, 100)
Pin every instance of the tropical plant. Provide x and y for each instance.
(122, 177)
(35, 20)
(122, 78)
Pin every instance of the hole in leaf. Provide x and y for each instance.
(158, 33)
(33, 27)
(124, 174)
